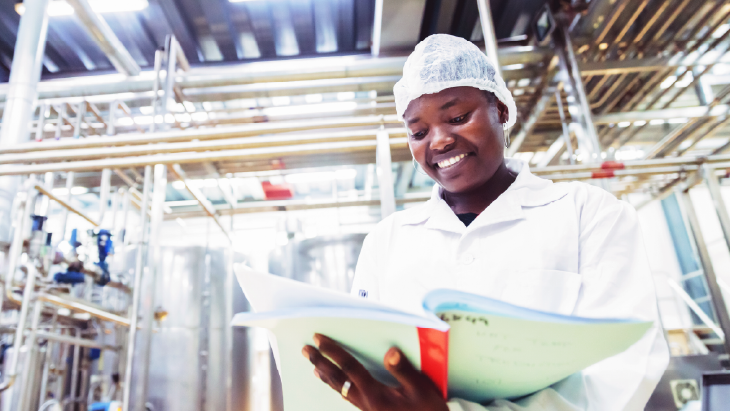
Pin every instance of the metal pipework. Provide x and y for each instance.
(204, 134)
(138, 270)
(720, 207)
(490, 39)
(106, 176)
(25, 72)
(25, 387)
(385, 176)
(19, 331)
(65, 205)
(105, 38)
(718, 302)
(83, 308)
(210, 145)
(377, 28)
(64, 217)
(74, 341)
(154, 263)
(195, 192)
(16, 247)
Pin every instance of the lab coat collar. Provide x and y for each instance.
(528, 190)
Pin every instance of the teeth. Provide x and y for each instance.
(451, 161)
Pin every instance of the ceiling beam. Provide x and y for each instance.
(665, 114)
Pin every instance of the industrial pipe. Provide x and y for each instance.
(65, 205)
(16, 247)
(137, 290)
(105, 38)
(490, 39)
(84, 308)
(204, 134)
(25, 71)
(19, 331)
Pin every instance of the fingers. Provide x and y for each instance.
(331, 374)
(407, 375)
(352, 368)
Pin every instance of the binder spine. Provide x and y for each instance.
(434, 346)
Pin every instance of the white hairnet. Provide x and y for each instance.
(442, 61)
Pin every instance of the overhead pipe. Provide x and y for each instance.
(377, 29)
(210, 145)
(253, 129)
(105, 187)
(490, 39)
(321, 68)
(73, 305)
(20, 95)
(65, 205)
(105, 38)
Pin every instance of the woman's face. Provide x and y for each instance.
(456, 136)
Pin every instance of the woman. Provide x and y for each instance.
(493, 228)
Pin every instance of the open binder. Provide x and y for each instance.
(472, 347)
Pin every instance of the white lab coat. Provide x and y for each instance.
(568, 248)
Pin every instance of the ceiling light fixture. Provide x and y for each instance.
(61, 8)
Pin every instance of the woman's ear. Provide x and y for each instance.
(503, 112)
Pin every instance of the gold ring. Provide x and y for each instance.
(345, 388)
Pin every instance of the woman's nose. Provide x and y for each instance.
(441, 140)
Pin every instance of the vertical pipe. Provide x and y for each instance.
(45, 203)
(59, 125)
(25, 71)
(589, 142)
(41, 122)
(228, 357)
(111, 128)
(114, 207)
(20, 329)
(718, 302)
(64, 215)
(16, 247)
(490, 39)
(566, 132)
(134, 315)
(25, 389)
(385, 173)
(80, 113)
(377, 28)
(153, 264)
(720, 208)
(106, 176)
(169, 96)
(47, 358)
(156, 89)
(72, 398)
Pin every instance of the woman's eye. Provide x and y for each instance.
(459, 119)
(418, 135)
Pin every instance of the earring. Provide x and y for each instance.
(507, 140)
(415, 167)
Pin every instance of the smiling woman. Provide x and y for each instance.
(493, 228)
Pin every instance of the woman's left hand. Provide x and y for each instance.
(415, 393)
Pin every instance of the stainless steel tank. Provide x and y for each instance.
(191, 366)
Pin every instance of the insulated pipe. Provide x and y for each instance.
(247, 130)
(84, 308)
(25, 388)
(39, 131)
(64, 216)
(16, 247)
(105, 38)
(106, 176)
(25, 72)
(377, 28)
(136, 292)
(19, 331)
(490, 39)
(716, 297)
(169, 96)
(156, 89)
(720, 208)
(385, 174)
(154, 263)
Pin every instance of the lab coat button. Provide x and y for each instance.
(467, 258)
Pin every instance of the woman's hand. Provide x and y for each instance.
(416, 391)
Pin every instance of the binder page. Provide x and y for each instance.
(492, 356)
(368, 340)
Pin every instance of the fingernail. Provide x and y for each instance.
(316, 340)
(316, 374)
(305, 353)
(394, 357)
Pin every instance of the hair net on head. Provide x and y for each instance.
(442, 61)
